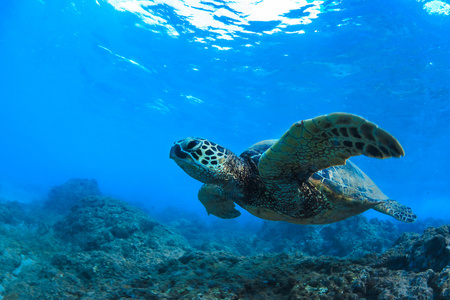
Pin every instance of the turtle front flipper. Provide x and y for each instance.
(216, 202)
(319, 143)
(394, 209)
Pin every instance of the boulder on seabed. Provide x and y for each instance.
(63, 197)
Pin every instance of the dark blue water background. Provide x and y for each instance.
(89, 91)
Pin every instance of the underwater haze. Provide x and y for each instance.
(94, 94)
(102, 89)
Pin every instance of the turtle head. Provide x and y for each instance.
(201, 159)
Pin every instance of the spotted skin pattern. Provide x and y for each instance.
(397, 210)
(289, 179)
(202, 159)
(220, 169)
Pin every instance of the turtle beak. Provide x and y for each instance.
(176, 152)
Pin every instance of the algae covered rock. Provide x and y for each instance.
(14, 213)
(415, 252)
(62, 197)
(357, 236)
(106, 224)
(103, 248)
(218, 235)
(91, 253)
(353, 237)
(10, 212)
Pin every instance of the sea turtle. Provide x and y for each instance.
(301, 178)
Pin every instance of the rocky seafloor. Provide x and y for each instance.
(79, 244)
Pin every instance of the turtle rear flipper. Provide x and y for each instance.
(394, 209)
(216, 202)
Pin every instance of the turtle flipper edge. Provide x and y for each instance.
(394, 209)
(319, 143)
(216, 202)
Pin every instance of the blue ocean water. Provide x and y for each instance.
(102, 89)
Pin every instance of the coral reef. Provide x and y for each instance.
(11, 212)
(101, 241)
(353, 237)
(414, 252)
(218, 235)
(103, 248)
(106, 224)
(61, 198)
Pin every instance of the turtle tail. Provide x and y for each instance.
(394, 209)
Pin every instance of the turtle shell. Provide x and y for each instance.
(350, 181)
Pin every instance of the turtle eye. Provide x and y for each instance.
(191, 145)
